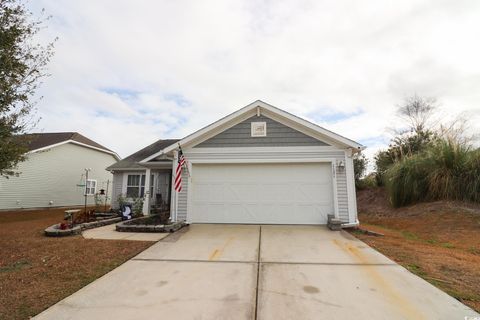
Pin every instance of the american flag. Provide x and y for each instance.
(178, 171)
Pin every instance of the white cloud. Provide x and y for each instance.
(127, 73)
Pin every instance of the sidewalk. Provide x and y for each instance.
(109, 233)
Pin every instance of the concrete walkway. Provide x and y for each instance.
(259, 272)
(109, 233)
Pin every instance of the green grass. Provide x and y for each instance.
(447, 245)
(409, 235)
(18, 265)
(416, 269)
(462, 295)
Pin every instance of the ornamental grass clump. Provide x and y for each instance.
(446, 170)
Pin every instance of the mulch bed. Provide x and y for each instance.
(37, 271)
(439, 241)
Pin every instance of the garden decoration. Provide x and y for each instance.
(85, 192)
(69, 217)
(126, 211)
(75, 221)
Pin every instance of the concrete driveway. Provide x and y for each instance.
(259, 272)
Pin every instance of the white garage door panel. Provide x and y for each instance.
(262, 193)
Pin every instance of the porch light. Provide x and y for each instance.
(102, 192)
(341, 164)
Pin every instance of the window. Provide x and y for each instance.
(136, 185)
(91, 187)
(259, 129)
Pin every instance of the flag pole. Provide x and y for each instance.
(174, 193)
(186, 162)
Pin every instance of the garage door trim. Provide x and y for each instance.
(190, 164)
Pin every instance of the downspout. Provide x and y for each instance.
(357, 222)
(351, 224)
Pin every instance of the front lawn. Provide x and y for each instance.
(36, 271)
(438, 241)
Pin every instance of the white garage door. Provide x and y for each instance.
(262, 193)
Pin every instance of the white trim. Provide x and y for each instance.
(335, 189)
(126, 169)
(279, 160)
(86, 186)
(75, 142)
(246, 112)
(146, 192)
(240, 161)
(189, 192)
(125, 181)
(255, 124)
(156, 165)
(351, 194)
(296, 149)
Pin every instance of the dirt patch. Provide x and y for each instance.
(36, 271)
(439, 241)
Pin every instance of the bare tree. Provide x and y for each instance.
(417, 112)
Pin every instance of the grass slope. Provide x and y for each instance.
(36, 271)
(439, 241)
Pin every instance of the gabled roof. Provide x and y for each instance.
(40, 141)
(131, 162)
(268, 110)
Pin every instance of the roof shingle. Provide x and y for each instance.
(130, 162)
(41, 140)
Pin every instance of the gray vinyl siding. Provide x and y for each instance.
(161, 184)
(55, 175)
(183, 198)
(340, 176)
(116, 188)
(277, 135)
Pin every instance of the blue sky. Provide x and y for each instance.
(128, 73)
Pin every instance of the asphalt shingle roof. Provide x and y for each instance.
(130, 162)
(41, 140)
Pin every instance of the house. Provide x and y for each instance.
(53, 175)
(258, 165)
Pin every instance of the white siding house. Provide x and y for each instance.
(258, 165)
(54, 174)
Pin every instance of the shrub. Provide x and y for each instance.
(137, 207)
(121, 200)
(360, 163)
(98, 202)
(446, 170)
(368, 182)
(402, 146)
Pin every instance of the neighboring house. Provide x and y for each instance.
(258, 165)
(53, 175)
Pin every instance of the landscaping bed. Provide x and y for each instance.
(438, 241)
(153, 223)
(38, 271)
(56, 230)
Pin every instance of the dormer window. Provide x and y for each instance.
(259, 129)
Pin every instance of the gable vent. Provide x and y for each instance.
(259, 129)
